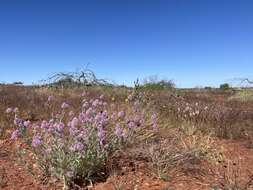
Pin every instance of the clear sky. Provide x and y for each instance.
(194, 42)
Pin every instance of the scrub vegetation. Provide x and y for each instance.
(78, 132)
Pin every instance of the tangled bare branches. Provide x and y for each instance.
(247, 80)
(84, 77)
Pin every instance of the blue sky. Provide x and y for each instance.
(194, 42)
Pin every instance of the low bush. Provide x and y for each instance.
(244, 95)
(224, 86)
(74, 146)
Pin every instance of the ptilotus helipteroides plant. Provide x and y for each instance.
(75, 145)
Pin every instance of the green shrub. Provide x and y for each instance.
(208, 88)
(224, 86)
(243, 95)
(152, 83)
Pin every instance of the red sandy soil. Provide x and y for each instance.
(134, 175)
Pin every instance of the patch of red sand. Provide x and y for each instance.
(201, 176)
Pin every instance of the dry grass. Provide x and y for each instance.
(211, 113)
(207, 110)
(188, 120)
(231, 177)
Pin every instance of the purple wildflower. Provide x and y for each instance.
(102, 97)
(124, 134)
(105, 115)
(100, 103)
(113, 116)
(64, 105)
(118, 130)
(95, 103)
(44, 124)
(74, 122)
(73, 131)
(101, 135)
(130, 97)
(83, 94)
(58, 116)
(85, 105)
(15, 134)
(19, 122)
(27, 123)
(89, 111)
(60, 126)
(101, 118)
(77, 147)
(131, 124)
(71, 113)
(50, 98)
(36, 140)
(82, 118)
(154, 120)
(15, 110)
(9, 110)
(121, 114)
(138, 121)
(82, 134)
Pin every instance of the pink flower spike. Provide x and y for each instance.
(50, 98)
(102, 97)
(60, 126)
(121, 114)
(27, 123)
(36, 140)
(8, 110)
(15, 134)
(64, 105)
(15, 110)
(130, 97)
(74, 122)
(71, 113)
(83, 94)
